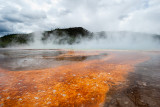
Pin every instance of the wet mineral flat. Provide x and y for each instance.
(79, 78)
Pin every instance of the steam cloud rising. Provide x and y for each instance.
(108, 40)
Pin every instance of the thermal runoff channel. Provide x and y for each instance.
(84, 78)
(79, 53)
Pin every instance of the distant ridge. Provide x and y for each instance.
(65, 35)
(71, 36)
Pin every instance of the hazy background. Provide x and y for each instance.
(26, 16)
(110, 40)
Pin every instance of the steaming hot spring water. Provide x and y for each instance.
(88, 74)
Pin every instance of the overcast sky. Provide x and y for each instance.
(94, 15)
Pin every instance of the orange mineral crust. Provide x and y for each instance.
(82, 83)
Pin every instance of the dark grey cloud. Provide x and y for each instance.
(13, 18)
(4, 28)
(95, 15)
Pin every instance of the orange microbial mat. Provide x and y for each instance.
(76, 83)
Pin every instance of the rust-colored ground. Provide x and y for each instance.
(82, 83)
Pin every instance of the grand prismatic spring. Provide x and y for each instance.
(74, 78)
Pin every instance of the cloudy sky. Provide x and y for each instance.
(95, 15)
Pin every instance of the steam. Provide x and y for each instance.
(106, 40)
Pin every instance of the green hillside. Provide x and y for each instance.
(67, 35)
